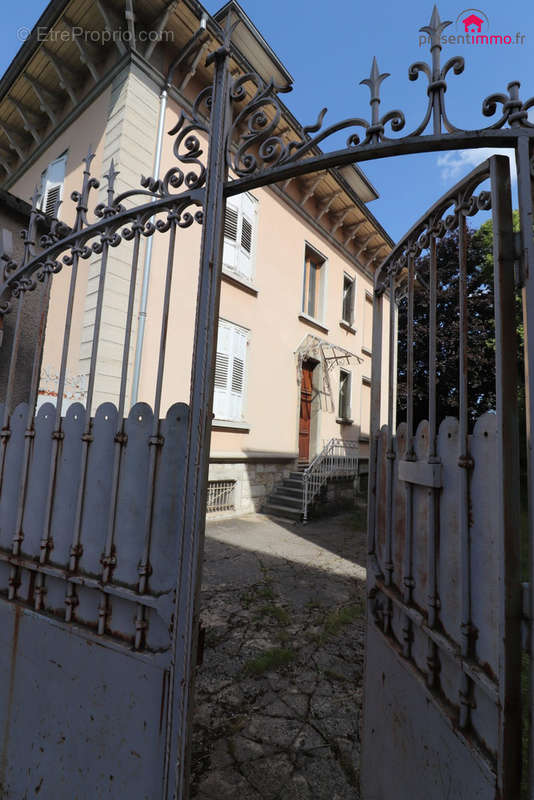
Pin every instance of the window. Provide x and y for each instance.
(347, 311)
(239, 235)
(52, 184)
(230, 371)
(367, 344)
(220, 496)
(344, 394)
(314, 282)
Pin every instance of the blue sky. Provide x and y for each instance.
(329, 48)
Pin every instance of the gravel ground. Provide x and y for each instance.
(278, 696)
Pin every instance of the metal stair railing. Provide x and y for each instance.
(337, 459)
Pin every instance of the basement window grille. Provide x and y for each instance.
(220, 496)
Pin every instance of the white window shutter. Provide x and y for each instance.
(247, 235)
(231, 232)
(221, 405)
(237, 385)
(52, 185)
(240, 235)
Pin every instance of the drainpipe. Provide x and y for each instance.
(199, 35)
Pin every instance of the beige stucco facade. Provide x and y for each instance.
(261, 443)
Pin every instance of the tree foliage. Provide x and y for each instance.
(481, 328)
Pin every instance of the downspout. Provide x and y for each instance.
(155, 172)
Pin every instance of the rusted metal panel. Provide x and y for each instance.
(85, 684)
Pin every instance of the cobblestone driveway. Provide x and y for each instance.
(279, 692)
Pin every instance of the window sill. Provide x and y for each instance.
(347, 326)
(313, 322)
(230, 424)
(240, 283)
(364, 437)
(343, 421)
(366, 351)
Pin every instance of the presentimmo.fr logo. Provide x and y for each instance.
(473, 28)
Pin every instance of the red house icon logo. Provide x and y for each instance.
(471, 22)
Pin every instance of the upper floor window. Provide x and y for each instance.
(240, 235)
(347, 310)
(52, 179)
(314, 284)
(344, 408)
(230, 371)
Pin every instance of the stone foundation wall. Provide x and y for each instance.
(254, 482)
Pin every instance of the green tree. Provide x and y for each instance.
(481, 328)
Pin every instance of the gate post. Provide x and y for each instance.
(177, 756)
(524, 189)
(509, 774)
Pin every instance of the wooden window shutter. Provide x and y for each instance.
(222, 371)
(239, 235)
(231, 230)
(52, 185)
(239, 357)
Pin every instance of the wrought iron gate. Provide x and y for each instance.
(443, 641)
(122, 610)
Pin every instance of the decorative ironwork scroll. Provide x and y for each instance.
(255, 145)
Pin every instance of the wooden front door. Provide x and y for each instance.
(305, 410)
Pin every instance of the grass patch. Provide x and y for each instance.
(266, 592)
(279, 614)
(336, 620)
(269, 660)
(334, 676)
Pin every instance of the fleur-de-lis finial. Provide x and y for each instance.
(435, 28)
(88, 159)
(374, 82)
(110, 176)
(36, 196)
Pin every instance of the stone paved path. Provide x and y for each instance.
(279, 692)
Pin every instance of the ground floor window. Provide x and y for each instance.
(221, 496)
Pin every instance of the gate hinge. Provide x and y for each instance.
(519, 262)
(526, 616)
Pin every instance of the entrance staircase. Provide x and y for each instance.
(287, 497)
(294, 496)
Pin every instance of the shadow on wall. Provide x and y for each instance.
(14, 217)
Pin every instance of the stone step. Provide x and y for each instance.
(296, 476)
(280, 499)
(281, 511)
(289, 488)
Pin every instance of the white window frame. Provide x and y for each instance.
(238, 261)
(348, 411)
(352, 280)
(53, 177)
(311, 252)
(231, 368)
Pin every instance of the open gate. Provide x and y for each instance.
(102, 512)
(443, 649)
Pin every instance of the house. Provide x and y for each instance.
(294, 345)
(471, 22)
